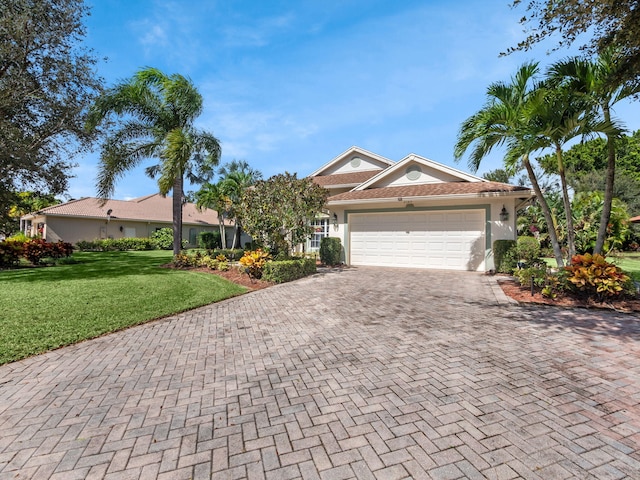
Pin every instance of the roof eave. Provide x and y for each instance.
(456, 196)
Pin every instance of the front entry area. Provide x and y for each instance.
(443, 239)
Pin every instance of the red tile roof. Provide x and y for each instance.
(429, 189)
(151, 208)
(355, 178)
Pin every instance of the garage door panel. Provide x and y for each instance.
(443, 239)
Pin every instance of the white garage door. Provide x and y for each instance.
(452, 239)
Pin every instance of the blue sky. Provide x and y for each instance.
(288, 85)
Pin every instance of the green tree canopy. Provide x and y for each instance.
(156, 115)
(47, 83)
(605, 23)
(278, 212)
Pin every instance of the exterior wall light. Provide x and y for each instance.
(504, 215)
(335, 219)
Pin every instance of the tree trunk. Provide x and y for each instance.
(553, 235)
(571, 234)
(177, 215)
(608, 189)
(223, 233)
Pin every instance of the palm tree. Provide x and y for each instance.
(239, 166)
(234, 185)
(211, 196)
(557, 115)
(505, 121)
(599, 81)
(156, 113)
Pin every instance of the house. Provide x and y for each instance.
(414, 213)
(88, 219)
(635, 219)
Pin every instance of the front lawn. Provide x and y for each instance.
(48, 307)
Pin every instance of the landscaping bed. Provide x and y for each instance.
(522, 294)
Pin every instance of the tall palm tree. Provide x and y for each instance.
(234, 185)
(557, 115)
(599, 81)
(211, 195)
(505, 121)
(157, 114)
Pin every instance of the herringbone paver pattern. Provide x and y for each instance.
(365, 373)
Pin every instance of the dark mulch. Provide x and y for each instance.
(523, 295)
(233, 275)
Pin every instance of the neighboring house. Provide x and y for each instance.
(414, 213)
(635, 219)
(88, 219)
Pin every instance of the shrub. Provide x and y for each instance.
(10, 253)
(35, 250)
(89, 245)
(594, 276)
(288, 270)
(529, 250)
(163, 238)
(330, 251)
(227, 253)
(254, 261)
(210, 240)
(123, 244)
(504, 255)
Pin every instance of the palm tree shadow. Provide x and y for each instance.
(584, 321)
(99, 265)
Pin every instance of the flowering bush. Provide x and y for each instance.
(254, 261)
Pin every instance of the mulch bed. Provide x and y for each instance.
(233, 275)
(523, 295)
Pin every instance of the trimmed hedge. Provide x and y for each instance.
(501, 248)
(230, 253)
(210, 240)
(281, 271)
(330, 251)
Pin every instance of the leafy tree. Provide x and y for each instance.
(25, 202)
(278, 212)
(156, 113)
(625, 188)
(597, 81)
(607, 23)
(497, 175)
(506, 119)
(47, 82)
(592, 155)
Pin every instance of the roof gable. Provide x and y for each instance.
(353, 160)
(416, 170)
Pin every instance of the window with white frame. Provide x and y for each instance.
(321, 230)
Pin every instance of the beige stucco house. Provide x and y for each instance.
(414, 212)
(89, 219)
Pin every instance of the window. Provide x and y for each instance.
(192, 236)
(321, 227)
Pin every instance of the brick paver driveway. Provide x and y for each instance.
(365, 373)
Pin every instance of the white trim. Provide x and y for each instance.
(351, 151)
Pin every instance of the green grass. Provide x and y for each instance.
(629, 262)
(45, 308)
